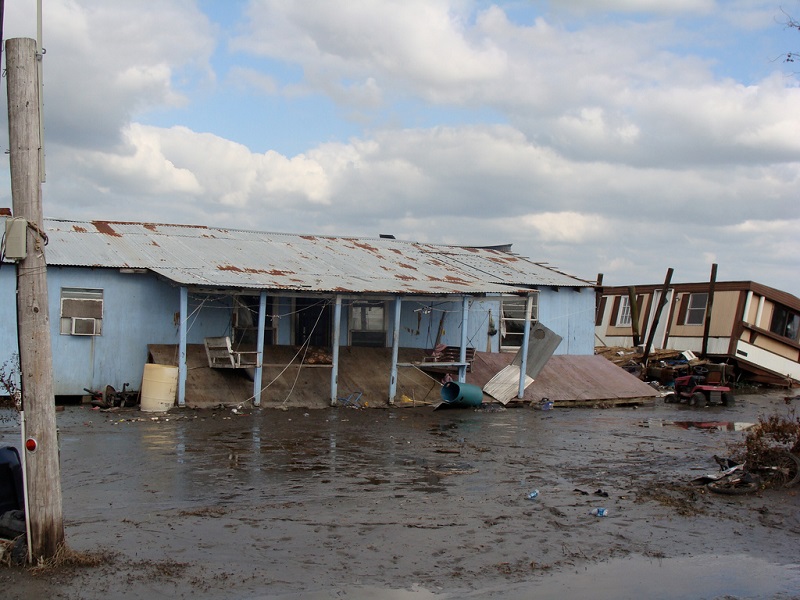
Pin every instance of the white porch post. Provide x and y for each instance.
(262, 320)
(395, 349)
(462, 357)
(525, 340)
(184, 315)
(337, 333)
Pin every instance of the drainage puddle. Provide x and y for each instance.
(707, 425)
(685, 578)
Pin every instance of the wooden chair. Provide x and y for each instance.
(449, 358)
(221, 355)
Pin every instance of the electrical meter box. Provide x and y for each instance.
(16, 242)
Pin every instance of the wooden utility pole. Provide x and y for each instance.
(662, 301)
(43, 476)
(634, 305)
(709, 306)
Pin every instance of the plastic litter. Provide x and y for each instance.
(600, 512)
(533, 495)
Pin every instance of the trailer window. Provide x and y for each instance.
(624, 315)
(785, 323)
(696, 309)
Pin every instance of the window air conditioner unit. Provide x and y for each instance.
(83, 326)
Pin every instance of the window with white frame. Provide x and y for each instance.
(368, 323)
(624, 314)
(81, 311)
(512, 320)
(696, 309)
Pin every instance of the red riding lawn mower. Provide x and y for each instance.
(701, 388)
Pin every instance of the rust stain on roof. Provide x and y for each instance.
(405, 277)
(503, 259)
(154, 243)
(79, 229)
(310, 238)
(407, 266)
(452, 279)
(229, 268)
(365, 246)
(105, 227)
(150, 226)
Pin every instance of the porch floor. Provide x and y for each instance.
(566, 380)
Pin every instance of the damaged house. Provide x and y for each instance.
(248, 315)
(750, 326)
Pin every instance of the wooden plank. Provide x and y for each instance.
(504, 386)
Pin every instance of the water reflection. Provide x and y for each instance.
(705, 425)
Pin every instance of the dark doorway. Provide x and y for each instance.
(313, 322)
(245, 321)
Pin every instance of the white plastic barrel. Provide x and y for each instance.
(159, 387)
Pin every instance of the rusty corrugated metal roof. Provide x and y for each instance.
(206, 256)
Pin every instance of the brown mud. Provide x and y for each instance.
(413, 503)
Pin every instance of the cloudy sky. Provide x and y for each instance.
(620, 137)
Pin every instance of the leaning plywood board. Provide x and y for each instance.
(542, 343)
(504, 386)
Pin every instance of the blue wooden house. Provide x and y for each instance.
(117, 289)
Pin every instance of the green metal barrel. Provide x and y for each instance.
(462, 394)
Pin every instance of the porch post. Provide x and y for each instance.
(262, 319)
(462, 357)
(337, 332)
(184, 313)
(523, 367)
(395, 349)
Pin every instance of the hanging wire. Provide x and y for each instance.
(303, 349)
(306, 344)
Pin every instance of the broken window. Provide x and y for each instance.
(785, 323)
(696, 309)
(368, 323)
(81, 311)
(512, 321)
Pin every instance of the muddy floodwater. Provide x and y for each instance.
(412, 503)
